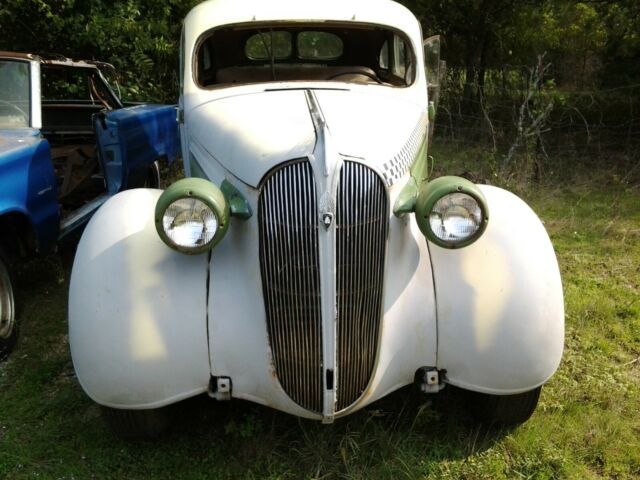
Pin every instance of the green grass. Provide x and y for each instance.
(587, 424)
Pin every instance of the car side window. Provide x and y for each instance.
(64, 84)
(400, 64)
(74, 85)
(384, 56)
(395, 57)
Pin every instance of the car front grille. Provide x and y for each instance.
(362, 223)
(289, 260)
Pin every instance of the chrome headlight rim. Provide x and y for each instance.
(436, 190)
(193, 189)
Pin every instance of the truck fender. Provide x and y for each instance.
(499, 303)
(137, 310)
(28, 189)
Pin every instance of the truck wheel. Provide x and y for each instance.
(139, 424)
(8, 317)
(503, 409)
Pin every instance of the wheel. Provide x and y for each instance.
(8, 317)
(138, 424)
(503, 409)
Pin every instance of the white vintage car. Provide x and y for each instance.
(308, 262)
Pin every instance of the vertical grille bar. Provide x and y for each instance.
(287, 215)
(289, 260)
(362, 227)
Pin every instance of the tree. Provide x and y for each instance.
(140, 37)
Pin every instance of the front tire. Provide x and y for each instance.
(139, 424)
(503, 409)
(8, 316)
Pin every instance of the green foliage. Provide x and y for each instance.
(140, 37)
(584, 40)
(590, 44)
(540, 80)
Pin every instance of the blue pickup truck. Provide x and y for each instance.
(67, 144)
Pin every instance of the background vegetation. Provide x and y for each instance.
(547, 85)
(139, 37)
(542, 96)
(539, 82)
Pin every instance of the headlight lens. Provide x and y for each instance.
(190, 223)
(192, 216)
(456, 218)
(451, 212)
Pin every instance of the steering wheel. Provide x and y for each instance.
(372, 76)
(15, 107)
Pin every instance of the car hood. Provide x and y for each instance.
(250, 134)
(13, 140)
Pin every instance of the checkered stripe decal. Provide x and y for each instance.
(394, 169)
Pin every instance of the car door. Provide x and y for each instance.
(131, 139)
(27, 179)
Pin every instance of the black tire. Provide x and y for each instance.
(503, 409)
(139, 424)
(8, 311)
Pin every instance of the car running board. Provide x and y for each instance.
(80, 216)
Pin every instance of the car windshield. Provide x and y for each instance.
(355, 53)
(14, 94)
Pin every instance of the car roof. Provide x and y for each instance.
(214, 13)
(18, 55)
(55, 60)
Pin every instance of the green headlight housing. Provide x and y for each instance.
(451, 212)
(192, 216)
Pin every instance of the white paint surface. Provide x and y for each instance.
(500, 304)
(137, 310)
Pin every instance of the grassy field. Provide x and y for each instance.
(587, 424)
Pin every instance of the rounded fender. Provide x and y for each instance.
(137, 310)
(500, 305)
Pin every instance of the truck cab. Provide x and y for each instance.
(67, 143)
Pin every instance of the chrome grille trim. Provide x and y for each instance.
(362, 222)
(289, 261)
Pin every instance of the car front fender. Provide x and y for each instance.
(137, 310)
(499, 302)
